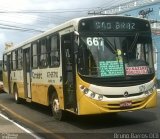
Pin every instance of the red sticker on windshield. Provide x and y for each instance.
(136, 70)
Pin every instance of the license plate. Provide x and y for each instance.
(126, 104)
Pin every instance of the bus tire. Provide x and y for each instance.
(16, 97)
(58, 114)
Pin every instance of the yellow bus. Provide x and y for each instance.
(89, 65)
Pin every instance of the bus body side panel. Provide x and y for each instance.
(5, 81)
(39, 93)
(7, 72)
(39, 88)
(42, 79)
(17, 80)
(20, 86)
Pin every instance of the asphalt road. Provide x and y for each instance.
(38, 118)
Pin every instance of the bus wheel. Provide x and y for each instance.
(16, 97)
(58, 114)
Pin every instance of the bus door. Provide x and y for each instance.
(68, 71)
(27, 72)
(9, 72)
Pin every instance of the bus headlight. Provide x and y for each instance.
(147, 93)
(90, 93)
(86, 90)
(100, 97)
(150, 91)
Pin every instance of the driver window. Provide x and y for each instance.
(140, 52)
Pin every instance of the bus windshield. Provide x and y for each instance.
(107, 56)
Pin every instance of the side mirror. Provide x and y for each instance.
(76, 33)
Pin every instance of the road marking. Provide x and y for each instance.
(31, 123)
(21, 127)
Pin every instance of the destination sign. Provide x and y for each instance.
(113, 24)
(107, 25)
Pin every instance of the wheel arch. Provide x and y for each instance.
(51, 91)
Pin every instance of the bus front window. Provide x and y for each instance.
(115, 56)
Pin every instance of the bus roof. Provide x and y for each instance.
(50, 31)
(69, 23)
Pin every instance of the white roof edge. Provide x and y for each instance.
(59, 27)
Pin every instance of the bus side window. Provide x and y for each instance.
(14, 60)
(54, 52)
(19, 59)
(43, 53)
(5, 62)
(34, 55)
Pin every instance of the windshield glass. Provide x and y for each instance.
(115, 56)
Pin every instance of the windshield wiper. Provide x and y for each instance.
(134, 42)
(113, 50)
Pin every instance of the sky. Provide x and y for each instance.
(22, 19)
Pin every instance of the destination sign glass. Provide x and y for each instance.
(116, 24)
(108, 25)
